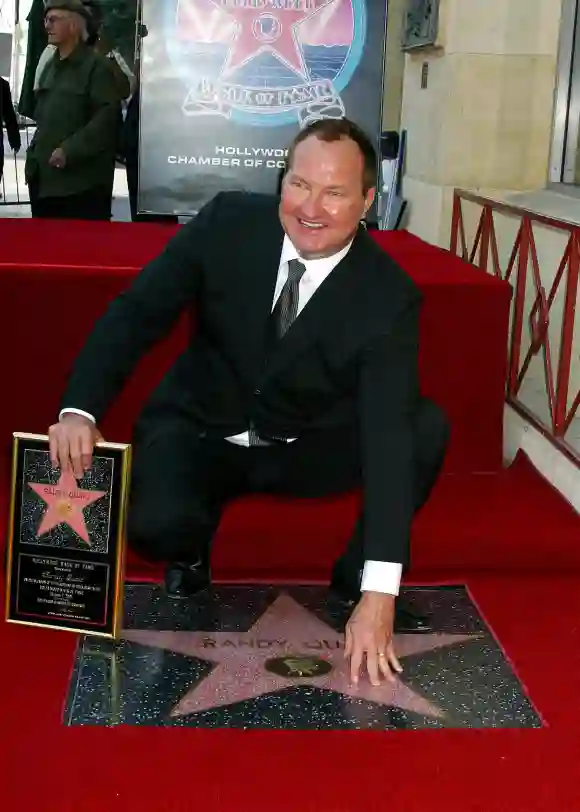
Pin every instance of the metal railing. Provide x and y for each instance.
(504, 240)
(13, 189)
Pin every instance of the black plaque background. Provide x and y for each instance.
(26, 596)
(110, 558)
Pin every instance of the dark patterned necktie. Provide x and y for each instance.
(286, 307)
(282, 316)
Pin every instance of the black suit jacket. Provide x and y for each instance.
(348, 362)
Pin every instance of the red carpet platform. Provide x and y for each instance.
(53, 285)
(504, 532)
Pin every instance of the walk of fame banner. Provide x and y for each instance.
(226, 84)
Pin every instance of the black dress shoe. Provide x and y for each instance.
(184, 580)
(345, 585)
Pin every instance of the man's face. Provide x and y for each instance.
(59, 27)
(323, 198)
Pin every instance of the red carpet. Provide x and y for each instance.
(505, 533)
(45, 274)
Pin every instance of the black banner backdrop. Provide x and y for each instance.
(226, 84)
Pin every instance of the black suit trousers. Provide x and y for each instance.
(182, 481)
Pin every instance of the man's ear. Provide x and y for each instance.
(369, 199)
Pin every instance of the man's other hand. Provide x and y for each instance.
(58, 158)
(71, 441)
(369, 638)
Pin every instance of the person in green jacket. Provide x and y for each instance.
(71, 159)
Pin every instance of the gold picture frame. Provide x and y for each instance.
(66, 546)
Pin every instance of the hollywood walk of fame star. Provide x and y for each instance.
(66, 502)
(268, 26)
(286, 628)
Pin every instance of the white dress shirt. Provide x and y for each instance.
(377, 576)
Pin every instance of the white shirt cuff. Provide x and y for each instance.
(381, 576)
(77, 411)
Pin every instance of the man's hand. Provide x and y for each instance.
(369, 635)
(71, 441)
(58, 158)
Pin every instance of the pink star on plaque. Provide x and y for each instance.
(66, 502)
(288, 646)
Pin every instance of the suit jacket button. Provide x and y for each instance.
(257, 391)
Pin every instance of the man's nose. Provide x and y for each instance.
(312, 205)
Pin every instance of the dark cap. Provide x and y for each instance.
(75, 6)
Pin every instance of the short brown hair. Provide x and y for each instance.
(334, 129)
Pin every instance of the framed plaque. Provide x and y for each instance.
(66, 539)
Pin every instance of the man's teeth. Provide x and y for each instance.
(310, 225)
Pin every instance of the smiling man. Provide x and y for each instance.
(300, 380)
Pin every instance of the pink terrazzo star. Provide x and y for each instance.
(66, 502)
(287, 629)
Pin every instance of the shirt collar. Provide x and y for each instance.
(322, 265)
(75, 57)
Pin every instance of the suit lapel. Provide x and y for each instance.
(259, 266)
(332, 297)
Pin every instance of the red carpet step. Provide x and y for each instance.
(52, 288)
(44, 272)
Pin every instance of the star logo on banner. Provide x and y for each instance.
(66, 502)
(268, 26)
(287, 646)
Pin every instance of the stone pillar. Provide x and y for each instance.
(394, 65)
(484, 120)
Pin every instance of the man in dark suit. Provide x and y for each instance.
(7, 119)
(301, 379)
